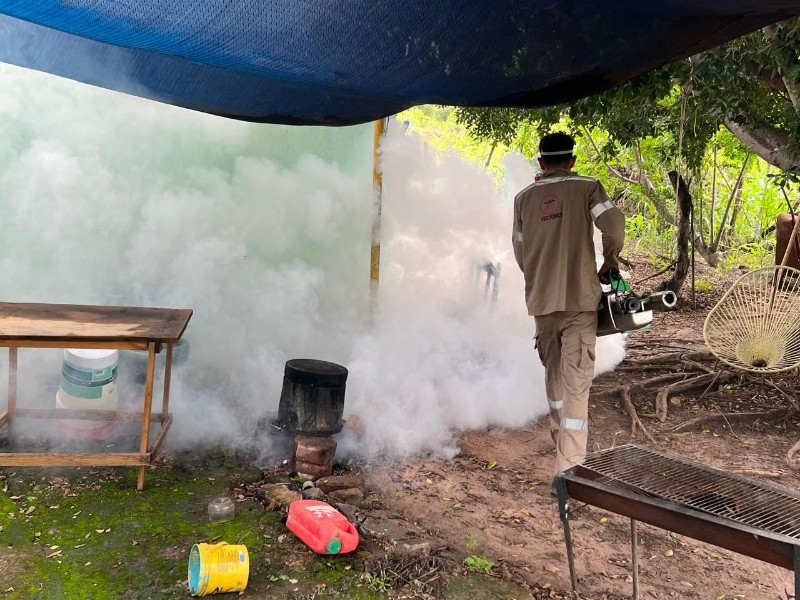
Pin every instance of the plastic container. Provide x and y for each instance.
(88, 382)
(321, 527)
(218, 568)
(221, 510)
(783, 238)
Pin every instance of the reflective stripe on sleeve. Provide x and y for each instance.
(574, 423)
(599, 209)
(556, 404)
(516, 236)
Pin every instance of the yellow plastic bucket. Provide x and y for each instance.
(218, 568)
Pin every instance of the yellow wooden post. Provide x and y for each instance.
(377, 200)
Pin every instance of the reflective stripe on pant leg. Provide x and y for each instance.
(577, 368)
(555, 418)
(578, 424)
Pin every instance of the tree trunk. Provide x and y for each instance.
(768, 143)
(711, 257)
(716, 240)
(713, 199)
(737, 206)
(675, 283)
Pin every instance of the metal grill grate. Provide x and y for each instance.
(698, 487)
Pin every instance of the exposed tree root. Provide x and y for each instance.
(636, 423)
(687, 371)
(706, 381)
(766, 416)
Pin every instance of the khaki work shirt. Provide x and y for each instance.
(553, 245)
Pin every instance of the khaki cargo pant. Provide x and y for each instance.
(566, 342)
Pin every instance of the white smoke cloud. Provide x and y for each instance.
(264, 232)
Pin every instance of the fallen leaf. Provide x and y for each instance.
(720, 597)
(29, 510)
(492, 464)
(87, 564)
(604, 519)
(293, 581)
(108, 530)
(525, 512)
(688, 584)
(86, 537)
(551, 568)
(56, 506)
(54, 547)
(714, 555)
(669, 553)
(79, 546)
(429, 481)
(99, 530)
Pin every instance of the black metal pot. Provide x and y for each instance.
(312, 398)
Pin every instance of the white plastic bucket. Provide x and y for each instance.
(88, 381)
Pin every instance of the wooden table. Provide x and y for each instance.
(102, 327)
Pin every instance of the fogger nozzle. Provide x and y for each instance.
(661, 300)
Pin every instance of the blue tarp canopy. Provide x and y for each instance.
(351, 61)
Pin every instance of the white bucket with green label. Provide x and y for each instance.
(88, 382)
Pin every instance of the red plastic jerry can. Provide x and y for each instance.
(321, 527)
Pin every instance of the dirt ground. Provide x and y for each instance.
(493, 499)
(491, 502)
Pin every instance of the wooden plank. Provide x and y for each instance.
(35, 322)
(148, 403)
(162, 434)
(56, 459)
(74, 343)
(85, 414)
(3, 417)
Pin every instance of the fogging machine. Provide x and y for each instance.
(622, 310)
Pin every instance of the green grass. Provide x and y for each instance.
(108, 541)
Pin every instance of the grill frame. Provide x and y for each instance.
(585, 484)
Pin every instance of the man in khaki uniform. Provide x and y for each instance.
(553, 245)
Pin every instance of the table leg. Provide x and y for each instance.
(148, 402)
(12, 390)
(167, 381)
(563, 511)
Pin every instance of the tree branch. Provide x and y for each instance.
(616, 173)
(767, 142)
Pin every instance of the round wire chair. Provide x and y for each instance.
(756, 325)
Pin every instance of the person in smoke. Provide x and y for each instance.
(553, 244)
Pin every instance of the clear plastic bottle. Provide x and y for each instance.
(221, 510)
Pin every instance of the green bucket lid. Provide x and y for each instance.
(333, 546)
